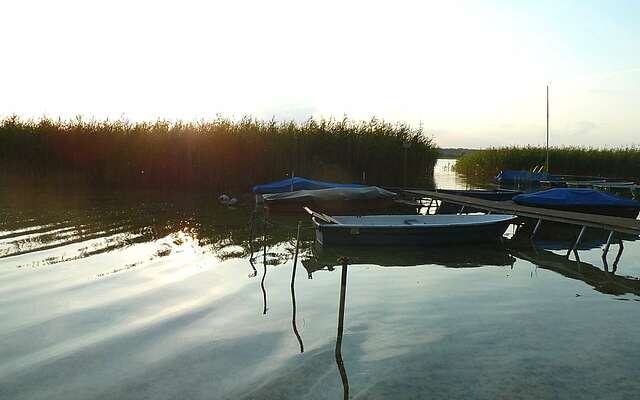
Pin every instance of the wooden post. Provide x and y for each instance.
(338, 352)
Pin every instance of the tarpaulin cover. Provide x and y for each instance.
(299, 183)
(573, 197)
(333, 194)
(524, 176)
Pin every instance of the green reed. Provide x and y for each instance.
(615, 163)
(221, 154)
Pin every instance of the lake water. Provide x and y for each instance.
(124, 296)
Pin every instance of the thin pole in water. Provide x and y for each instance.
(546, 164)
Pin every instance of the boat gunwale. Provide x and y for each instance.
(506, 218)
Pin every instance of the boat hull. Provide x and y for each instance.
(334, 234)
(351, 207)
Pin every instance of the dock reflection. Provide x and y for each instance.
(603, 281)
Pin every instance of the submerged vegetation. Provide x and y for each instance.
(614, 163)
(221, 154)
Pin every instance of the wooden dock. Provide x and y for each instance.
(607, 223)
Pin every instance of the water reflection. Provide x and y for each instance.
(293, 292)
(463, 256)
(603, 281)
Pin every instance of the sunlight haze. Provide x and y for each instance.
(472, 72)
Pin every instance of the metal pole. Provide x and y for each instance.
(577, 242)
(404, 179)
(546, 165)
(535, 230)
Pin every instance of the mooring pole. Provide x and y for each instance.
(546, 164)
(338, 351)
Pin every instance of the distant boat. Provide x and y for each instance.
(581, 200)
(521, 176)
(409, 229)
(484, 194)
(360, 200)
(299, 183)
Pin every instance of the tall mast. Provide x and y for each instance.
(546, 164)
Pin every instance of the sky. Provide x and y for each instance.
(471, 73)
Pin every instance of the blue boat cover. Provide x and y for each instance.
(299, 183)
(524, 176)
(573, 197)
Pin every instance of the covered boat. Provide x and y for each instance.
(299, 183)
(581, 200)
(409, 229)
(343, 199)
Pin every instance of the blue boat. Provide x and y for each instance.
(299, 183)
(515, 176)
(581, 200)
(376, 230)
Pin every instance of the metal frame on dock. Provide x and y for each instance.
(604, 222)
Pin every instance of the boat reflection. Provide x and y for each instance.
(462, 256)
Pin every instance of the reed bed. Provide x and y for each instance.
(220, 155)
(613, 163)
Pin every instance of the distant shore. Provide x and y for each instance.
(621, 162)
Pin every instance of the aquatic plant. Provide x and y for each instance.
(623, 162)
(218, 155)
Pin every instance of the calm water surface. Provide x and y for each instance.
(124, 296)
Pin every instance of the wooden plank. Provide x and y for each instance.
(618, 224)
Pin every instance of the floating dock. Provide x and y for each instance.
(604, 222)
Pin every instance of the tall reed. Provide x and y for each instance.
(621, 162)
(216, 155)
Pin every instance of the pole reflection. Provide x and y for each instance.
(293, 292)
(264, 267)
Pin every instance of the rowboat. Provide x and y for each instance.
(587, 201)
(409, 229)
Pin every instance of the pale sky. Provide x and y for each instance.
(472, 72)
